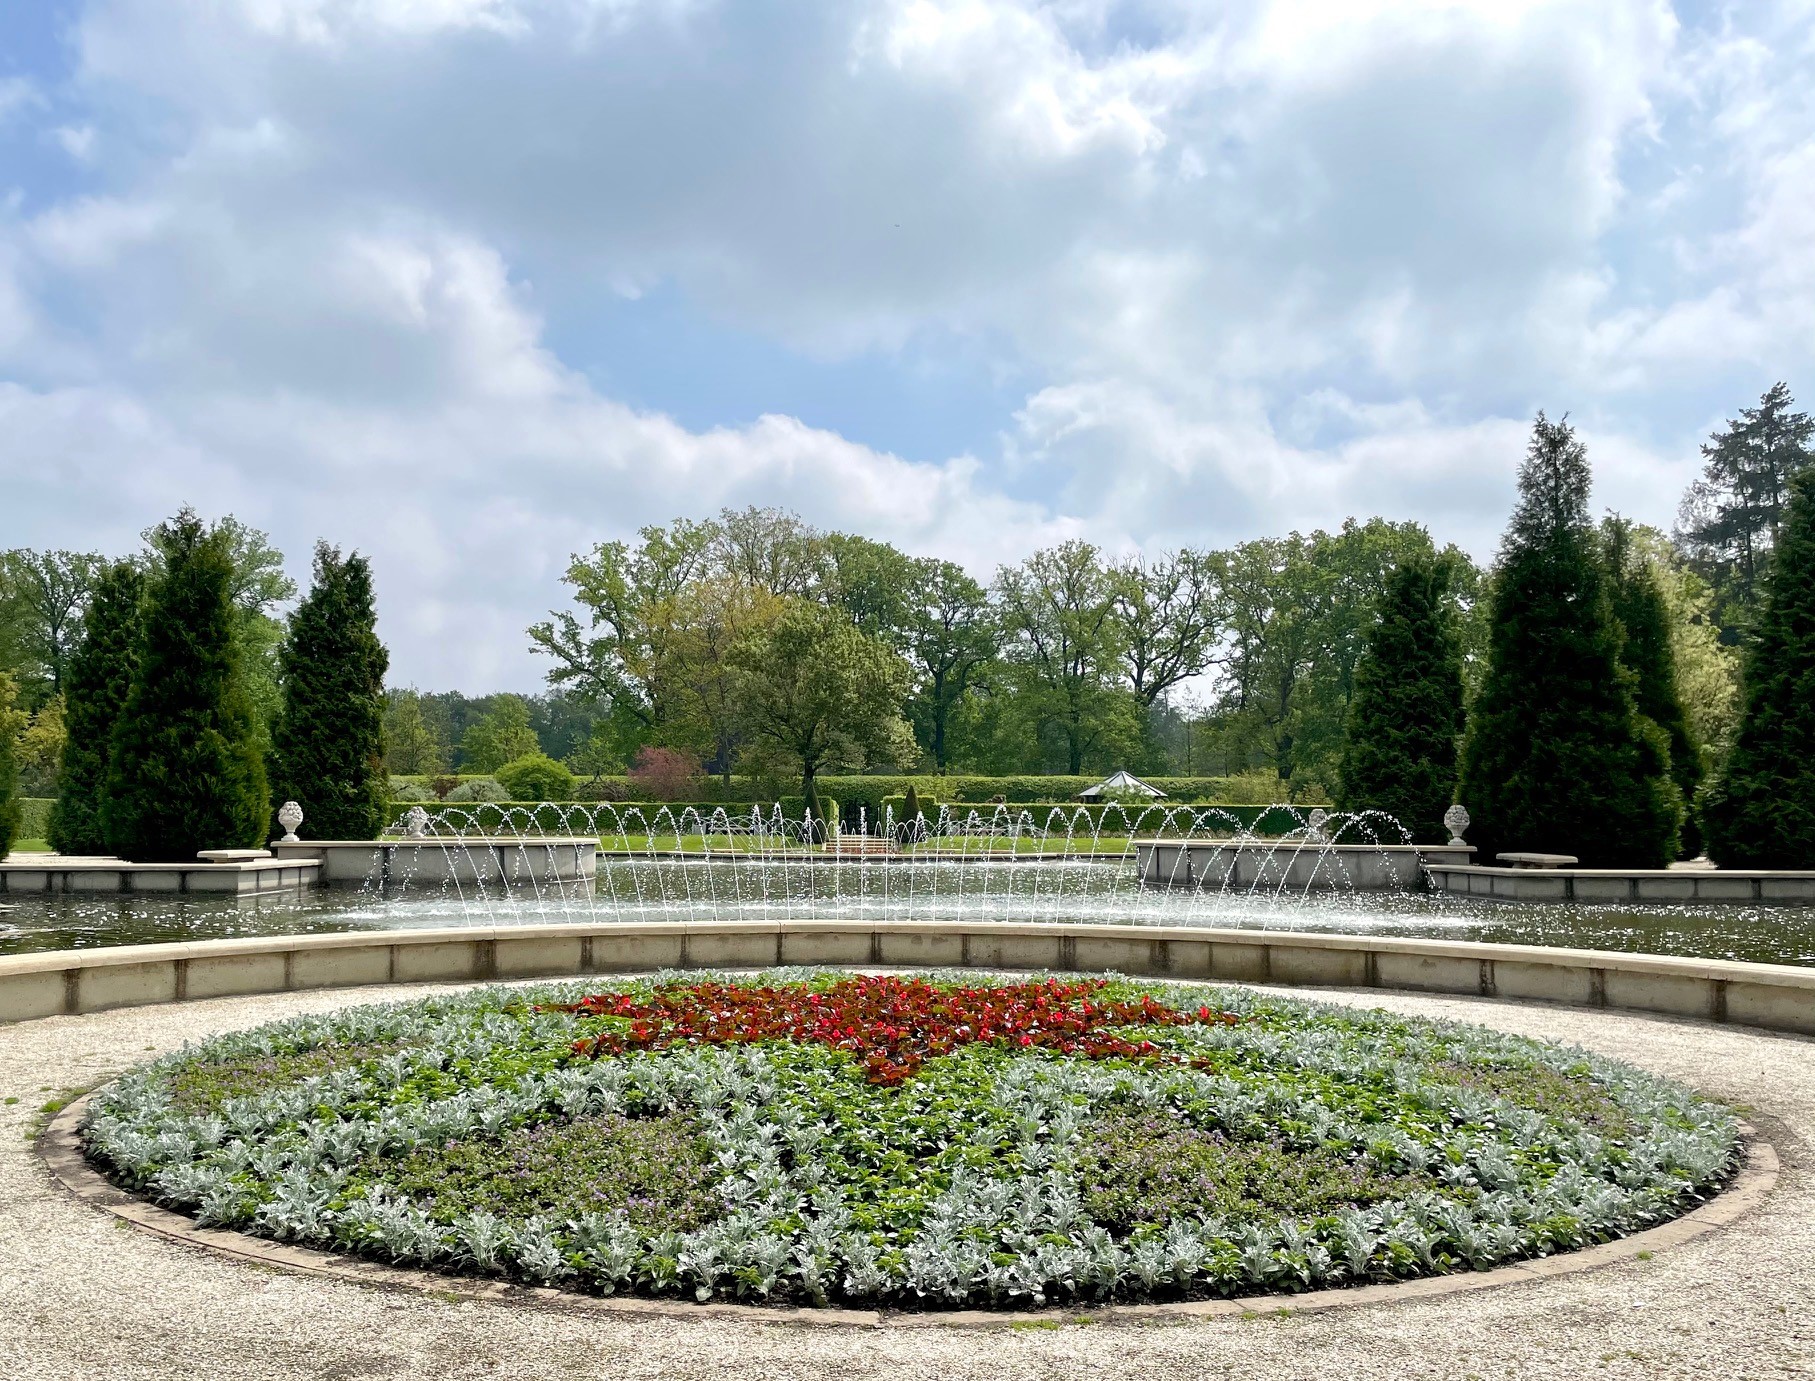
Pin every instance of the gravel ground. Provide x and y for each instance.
(83, 1295)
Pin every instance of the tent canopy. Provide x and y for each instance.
(1116, 783)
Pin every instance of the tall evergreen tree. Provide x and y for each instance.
(327, 745)
(11, 722)
(185, 771)
(1649, 653)
(1557, 757)
(100, 675)
(1406, 715)
(1731, 515)
(1761, 812)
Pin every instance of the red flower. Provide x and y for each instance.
(892, 1025)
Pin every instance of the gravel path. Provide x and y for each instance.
(83, 1295)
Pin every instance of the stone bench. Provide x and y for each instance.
(1538, 860)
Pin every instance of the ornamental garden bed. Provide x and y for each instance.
(808, 1137)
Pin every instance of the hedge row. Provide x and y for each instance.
(967, 790)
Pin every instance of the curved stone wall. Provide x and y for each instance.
(1772, 996)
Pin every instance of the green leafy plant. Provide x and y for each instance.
(536, 777)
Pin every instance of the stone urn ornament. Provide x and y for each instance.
(1455, 820)
(289, 815)
(415, 822)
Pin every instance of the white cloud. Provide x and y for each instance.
(1265, 265)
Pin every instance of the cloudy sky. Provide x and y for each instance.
(472, 284)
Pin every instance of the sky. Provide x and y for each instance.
(471, 285)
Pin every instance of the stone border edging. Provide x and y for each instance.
(1772, 997)
(60, 1149)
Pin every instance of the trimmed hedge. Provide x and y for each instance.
(570, 817)
(34, 819)
(967, 790)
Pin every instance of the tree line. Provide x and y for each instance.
(182, 706)
(753, 642)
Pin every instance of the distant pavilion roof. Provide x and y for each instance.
(1118, 782)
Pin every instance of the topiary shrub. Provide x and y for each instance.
(1558, 758)
(1400, 751)
(536, 777)
(11, 722)
(185, 772)
(1761, 812)
(100, 676)
(478, 789)
(327, 746)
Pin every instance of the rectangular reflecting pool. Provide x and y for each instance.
(684, 890)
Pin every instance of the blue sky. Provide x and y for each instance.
(472, 284)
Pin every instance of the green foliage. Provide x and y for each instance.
(42, 598)
(100, 675)
(327, 746)
(185, 771)
(814, 692)
(1406, 714)
(1731, 516)
(12, 721)
(1761, 812)
(34, 817)
(504, 735)
(1558, 759)
(1649, 654)
(536, 777)
(412, 744)
(478, 789)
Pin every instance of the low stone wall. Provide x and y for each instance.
(1614, 885)
(1216, 865)
(434, 862)
(1775, 997)
(41, 873)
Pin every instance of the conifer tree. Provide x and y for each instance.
(184, 772)
(1649, 653)
(100, 675)
(1557, 758)
(1761, 812)
(327, 746)
(1406, 716)
(11, 722)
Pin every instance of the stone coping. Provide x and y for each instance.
(1673, 874)
(1778, 997)
(61, 1150)
(106, 863)
(284, 848)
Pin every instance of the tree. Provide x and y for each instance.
(412, 748)
(1649, 654)
(536, 777)
(951, 635)
(185, 771)
(42, 596)
(1170, 620)
(1406, 715)
(327, 745)
(100, 675)
(665, 774)
(771, 550)
(257, 589)
(1730, 517)
(1557, 758)
(1058, 611)
(817, 693)
(12, 721)
(1761, 811)
(872, 582)
(502, 736)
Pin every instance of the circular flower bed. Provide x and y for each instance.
(815, 1138)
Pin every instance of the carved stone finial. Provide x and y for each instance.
(415, 822)
(1455, 820)
(289, 815)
